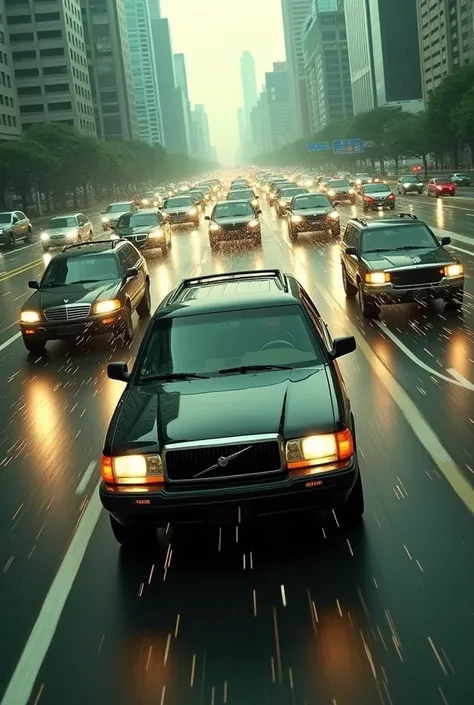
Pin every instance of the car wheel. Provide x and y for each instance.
(144, 307)
(34, 346)
(350, 289)
(127, 326)
(293, 235)
(29, 237)
(132, 536)
(454, 301)
(392, 208)
(369, 308)
(91, 236)
(12, 240)
(353, 510)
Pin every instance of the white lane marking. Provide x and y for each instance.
(463, 382)
(19, 249)
(85, 479)
(461, 379)
(23, 680)
(448, 233)
(9, 341)
(460, 249)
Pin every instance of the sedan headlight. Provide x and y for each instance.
(105, 219)
(296, 218)
(73, 233)
(255, 202)
(214, 227)
(193, 211)
(377, 277)
(29, 317)
(454, 270)
(107, 306)
(319, 450)
(132, 469)
(158, 232)
(282, 202)
(254, 223)
(44, 236)
(334, 215)
(331, 193)
(352, 190)
(358, 182)
(145, 202)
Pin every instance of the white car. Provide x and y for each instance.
(67, 230)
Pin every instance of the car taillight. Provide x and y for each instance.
(391, 196)
(439, 188)
(368, 198)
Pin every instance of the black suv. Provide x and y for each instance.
(235, 408)
(232, 221)
(312, 212)
(88, 289)
(147, 230)
(398, 260)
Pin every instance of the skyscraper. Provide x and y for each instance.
(279, 105)
(50, 63)
(182, 84)
(384, 55)
(295, 14)
(145, 80)
(249, 83)
(203, 149)
(110, 69)
(10, 127)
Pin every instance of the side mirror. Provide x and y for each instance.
(207, 217)
(112, 226)
(445, 241)
(258, 211)
(118, 371)
(132, 272)
(351, 251)
(33, 284)
(342, 346)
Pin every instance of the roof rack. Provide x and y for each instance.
(230, 276)
(111, 243)
(408, 215)
(359, 220)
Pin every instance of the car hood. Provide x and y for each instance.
(238, 220)
(379, 194)
(61, 232)
(292, 403)
(411, 258)
(139, 229)
(305, 212)
(77, 294)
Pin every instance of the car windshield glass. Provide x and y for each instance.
(442, 182)
(238, 195)
(239, 184)
(206, 343)
(68, 270)
(57, 223)
(410, 179)
(461, 175)
(232, 210)
(339, 183)
(363, 176)
(177, 202)
(316, 201)
(5, 218)
(119, 208)
(376, 188)
(290, 192)
(138, 220)
(398, 237)
(196, 194)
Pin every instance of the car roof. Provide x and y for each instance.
(144, 210)
(234, 200)
(66, 215)
(89, 249)
(403, 220)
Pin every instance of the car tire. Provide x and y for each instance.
(353, 510)
(349, 288)
(455, 301)
(29, 237)
(144, 307)
(127, 326)
(11, 240)
(132, 536)
(45, 248)
(368, 307)
(293, 235)
(35, 347)
(392, 208)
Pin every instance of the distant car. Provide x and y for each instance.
(235, 409)
(147, 230)
(181, 210)
(150, 200)
(312, 212)
(398, 260)
(88, 289)
(14, 226)
(461, 179)
(67, 230)
(362, 179)
(409, 184)
(243, 194)
(377, 196)
(232, 221)
(275, 186)
(114, 211)
(441, 187)
(341, 191)
(285, 195)
(305, 180)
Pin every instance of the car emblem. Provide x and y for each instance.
(66, 301)
(221, 462)
(415, 260)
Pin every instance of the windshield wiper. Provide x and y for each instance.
(171, 376)
(415, 247)
(86, 281)
(243, 369)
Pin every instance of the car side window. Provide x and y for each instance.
(316, 320)
(350, 236)
(132, 256)
(20, 215)
(81, 219)
(122, 258)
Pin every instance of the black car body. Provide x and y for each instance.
(311, 213)
(242, 194)
(232, 221)
(409, 184)
(237, 425)
(114, 211)
(147, 230)
(377, 195)
(239, 183)
(272, 187)
(341, 191)
(284, 197)
(88, 289)
(198, 196)
(181, 210)
(398, 260)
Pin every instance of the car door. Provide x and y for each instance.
(351, 263)
(135, 285)
(20, 225)
(130, 285)
(81, 225)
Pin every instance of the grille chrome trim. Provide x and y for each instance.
(68, 312)
(228, 441)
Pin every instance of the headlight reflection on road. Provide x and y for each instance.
(439, 213)
(49, 430)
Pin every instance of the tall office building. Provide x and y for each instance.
(110, 69)
(171, 98)
(145, 80)
(182, 84)
(446, 35)
(279, 105)
(202, 147)
(384, 55)
(327, 70)
(249, 83)
(260, 125)
(10, 127)
(295, 15)
(50, 63)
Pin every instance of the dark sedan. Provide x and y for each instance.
(242, 194)
(285, 195)
(341, 191)
(232, 221)
(147, 230)
(312, 212)
(181, 210)
(377, 196)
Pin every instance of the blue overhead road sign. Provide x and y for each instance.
(354, 146)
(318, 146)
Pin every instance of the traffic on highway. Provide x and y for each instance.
(237, 446)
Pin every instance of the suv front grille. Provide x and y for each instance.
(69, 312)
(416, 277)
(215, 462)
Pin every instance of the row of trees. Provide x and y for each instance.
(445, 127)
(58, 162)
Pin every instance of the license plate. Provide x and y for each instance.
(70, 330)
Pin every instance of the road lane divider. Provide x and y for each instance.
(86, 478)
(20, 270)
(9, 341)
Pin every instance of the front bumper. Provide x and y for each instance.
(5, 237)
(146, 242)
(379, 204)
(228, 504)
(229, 235)
(393, 295)
(315, 225)
(63, 330)
(344, 198)
(183, 219)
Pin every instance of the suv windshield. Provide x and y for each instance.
(375, 188)
(290, 192)
(5, 218)
(339, 183)
(312, 201)
(57, 223)
(207, 343)
(185, 201)
(234, 209)
(119, 207)
(70, 270)
(409, 179)
(138, 220)
(240, 194)
(398, 238)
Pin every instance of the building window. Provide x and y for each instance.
(55, 51)
(54, 70)
(23, 55)
(19, 19)
(22, 37)
(29, 90)
(24, 109)
(47, 17)
(26, 73)
(52, 107)
(50, 34)
(58, 88)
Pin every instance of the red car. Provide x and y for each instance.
(441, 187)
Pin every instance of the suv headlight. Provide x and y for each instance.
(314, 451)
(29, 317)
(105, 219)
(132, 469)
(107, 306)
(331, 192)
(282, 202)
(158, 232)
(254, 223)
(334, 215)
(454, 270)
(214, 227)
(377, 277)
(296, 218)
(193, 211)
(44, 236)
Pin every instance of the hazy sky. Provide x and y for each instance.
(212, 34)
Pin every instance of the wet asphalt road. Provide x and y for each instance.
(286, 614)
